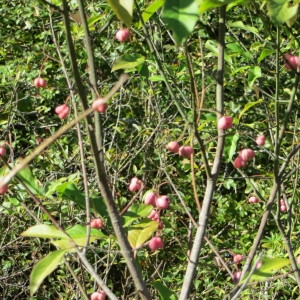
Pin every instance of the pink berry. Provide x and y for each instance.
(150, 198)
(239, 162)
(247, 154)
(62, 111)
(123, 34)
(173, 146)
(283, 208)
(155, 243)
(162, 202)
(98, 295)
(3, 189)
(100, 105)
(97, 223)
(298, 259)
(290, 61)
(258, 265)
(237, 259)
(253, 200)
(237, 276)
(260, 140)
(2, 151)
(154, 216)
(40, 82)
(160, 225)
(135, 184)
(225, 122)
(186, 151)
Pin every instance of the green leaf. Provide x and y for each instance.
(248, 106)
(205, 5)
(150, 11)
(128, 61)
(253, 74)
(135, 212)
(138, 234)
(268, 269)
(123, 9)
(30, 181)
(78, 234)
(213, 47)
(230, 146)
(164, 292)
(181, 17)
(281, 11)
(241, 25)
(43, 231)
(43, 268)
(264, 54)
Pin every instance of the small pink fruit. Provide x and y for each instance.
(2, 151)
(40, 82)
(260, 140)
(97, 223)
(155, 243)
(162, 202)
(123, 34)
(225, 122)
(283, 208)
(135, 184)
(237, 259)
(173, 146)
(247, 154)
(3, 189)
(239, 162)
(62, 111)
(237, 276)
(290, 61)
(186, 151)
(150, 198)
(100, 105)
(298, 259)
(98, 295)
(258, 265)
(154, 216)
(160, 225)
(253, 200)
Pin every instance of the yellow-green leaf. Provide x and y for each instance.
(123, 9)
(43, 231)
(43, 268)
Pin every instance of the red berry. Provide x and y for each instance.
(258, 265)
(247, 154)
(100, 105)
(225, 122)
(97, 223)
(237, 259)
(290, 61)
(253, 200)
(40, 82)
(150, 198)
(283, 208)
(155, 243)
(239, 162)
(2, 151)
(173, 146)
(186, 151)
(62, 111)
(3, 189)
(123, 34)
(162, 202)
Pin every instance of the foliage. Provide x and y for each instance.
(48, 250)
